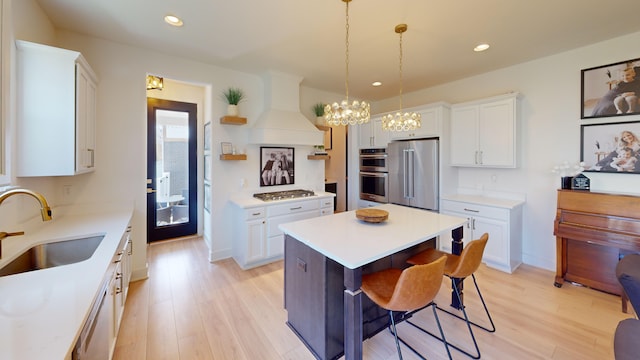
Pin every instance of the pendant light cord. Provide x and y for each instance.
(346, 78)
(401, 72)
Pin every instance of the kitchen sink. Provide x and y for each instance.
(53, 254)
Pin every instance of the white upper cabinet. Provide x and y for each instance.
(431, 122)
(371, 135)
(484, 132)
(56, 112)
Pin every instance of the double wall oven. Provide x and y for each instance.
(374, 175)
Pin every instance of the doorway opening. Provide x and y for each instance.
(171, 169)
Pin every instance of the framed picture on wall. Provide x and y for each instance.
(611, 90)
(277, 166)
(611, 147)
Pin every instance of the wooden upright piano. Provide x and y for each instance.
(593, 232)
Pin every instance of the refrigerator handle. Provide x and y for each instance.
(404, 173)
(410, 175)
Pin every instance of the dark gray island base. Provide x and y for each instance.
(315, 296)
(325, 258)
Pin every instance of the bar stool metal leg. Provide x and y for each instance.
(486, 310)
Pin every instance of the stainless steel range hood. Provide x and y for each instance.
(281, 123)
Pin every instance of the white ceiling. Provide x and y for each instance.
(307, 37)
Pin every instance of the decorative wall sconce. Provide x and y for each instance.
(154, 82)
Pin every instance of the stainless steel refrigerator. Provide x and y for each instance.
(413, 173)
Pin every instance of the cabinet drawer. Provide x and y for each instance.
(325, 203)
(471, 209)
(293, 207)
(255, 213)
(326, 211)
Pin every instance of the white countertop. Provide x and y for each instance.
(42, 312)
(354, 243)
(247, 201)
(485, 200)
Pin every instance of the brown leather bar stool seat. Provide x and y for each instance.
(460, 267)
(406, 291)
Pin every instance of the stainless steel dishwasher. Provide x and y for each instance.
(94, 338)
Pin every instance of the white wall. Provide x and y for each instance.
(550, 133)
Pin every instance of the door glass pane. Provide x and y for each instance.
(172, 167)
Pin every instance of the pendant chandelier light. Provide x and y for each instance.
(401, 121)
(345, 113)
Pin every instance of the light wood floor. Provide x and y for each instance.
(192, 309)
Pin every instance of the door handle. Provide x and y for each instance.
(150, 190)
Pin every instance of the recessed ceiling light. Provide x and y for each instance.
(481, 47)
(376, 83)
(173, 20)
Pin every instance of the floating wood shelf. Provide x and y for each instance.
(233, 157)
(233, 120)
(318, 157)
(323, 128)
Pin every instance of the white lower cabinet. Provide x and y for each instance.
(503, 224)
(99, 333)
(254, 233)
(326, 206)
(121, 279)
(259, 241)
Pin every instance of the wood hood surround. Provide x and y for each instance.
(282, 123)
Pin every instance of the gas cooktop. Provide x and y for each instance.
(280, 195)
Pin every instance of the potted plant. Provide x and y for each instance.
(319, 150)
(233, 96)
(318, 109)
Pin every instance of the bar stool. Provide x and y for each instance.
(406, 291)
(626, 341)
(460, 267)
(628, 274)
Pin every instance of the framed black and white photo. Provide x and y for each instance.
(276, 166)
(611, 147)
(611, 90)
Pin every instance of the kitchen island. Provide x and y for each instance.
(325, 258)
